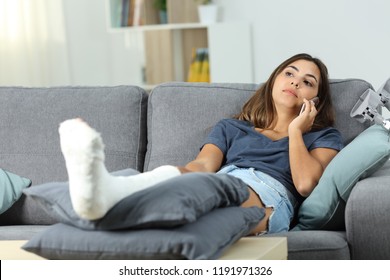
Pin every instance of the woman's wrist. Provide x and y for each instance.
(294, 131)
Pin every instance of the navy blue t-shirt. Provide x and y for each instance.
(244, 147)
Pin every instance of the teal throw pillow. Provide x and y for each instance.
(325, 207)
(11, 188)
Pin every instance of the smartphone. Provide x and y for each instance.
(315, 100)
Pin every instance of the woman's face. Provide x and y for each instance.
(297, 81)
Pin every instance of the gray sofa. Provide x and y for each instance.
(167, 126)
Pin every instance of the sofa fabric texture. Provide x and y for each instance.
(167, 126)
(367, 210)
(180, 116)
(30, 118)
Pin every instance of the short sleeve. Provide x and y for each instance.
(217, 136)
(328, 138)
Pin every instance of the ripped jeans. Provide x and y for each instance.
(272, 194)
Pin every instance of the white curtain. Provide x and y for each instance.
(33, 45)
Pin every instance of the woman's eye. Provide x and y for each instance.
(288, 74)
(308, 83)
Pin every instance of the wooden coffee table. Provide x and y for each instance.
(247, 248)
(258, 248)
(11, 250)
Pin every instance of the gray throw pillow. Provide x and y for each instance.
(207, 238)
(171, 203)
(54, 198)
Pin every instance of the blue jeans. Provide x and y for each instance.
(272, 194)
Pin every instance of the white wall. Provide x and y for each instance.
(98, 57)
(351, 37)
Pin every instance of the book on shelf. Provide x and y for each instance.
(133, 13)
(125, 12)
(200, 67)
(137, 12)
(116, 13)
(130, 13)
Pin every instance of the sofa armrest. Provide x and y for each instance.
(367, 218)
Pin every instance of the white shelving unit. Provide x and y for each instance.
(168, 47)
(168, 26)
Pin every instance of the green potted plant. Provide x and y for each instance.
(161, 6)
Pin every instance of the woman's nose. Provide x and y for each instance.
(296, 84)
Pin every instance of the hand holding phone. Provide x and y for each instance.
(315, 100)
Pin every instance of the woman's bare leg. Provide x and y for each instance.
(254, 200)
(92, 189)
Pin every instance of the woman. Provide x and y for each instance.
(277, 149)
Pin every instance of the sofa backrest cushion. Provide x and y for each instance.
(345, 94)
(30, 117)
(180, 115)
(29, 143)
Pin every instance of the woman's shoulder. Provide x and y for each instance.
(327, 130)
(327, 134)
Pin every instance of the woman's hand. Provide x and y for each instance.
(304, 121)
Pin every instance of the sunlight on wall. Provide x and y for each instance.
(33, 47)
(10, 22)
(23, 18)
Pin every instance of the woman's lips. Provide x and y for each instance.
(291, 92)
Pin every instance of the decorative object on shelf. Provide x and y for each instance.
(161, 6)
(208, 11)
(200, 68)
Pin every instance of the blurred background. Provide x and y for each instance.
(75, 42)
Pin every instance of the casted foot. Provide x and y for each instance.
(83, 150)
(78, 138)
(93, 190)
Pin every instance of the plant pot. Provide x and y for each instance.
(208, 13)
(163, 16)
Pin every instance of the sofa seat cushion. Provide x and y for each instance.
(316, 245)
(20, 232)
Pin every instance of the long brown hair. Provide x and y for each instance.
(260, 108)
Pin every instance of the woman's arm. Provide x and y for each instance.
(209, 159)
(306, 167)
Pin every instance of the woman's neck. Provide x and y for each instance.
(281, 123)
